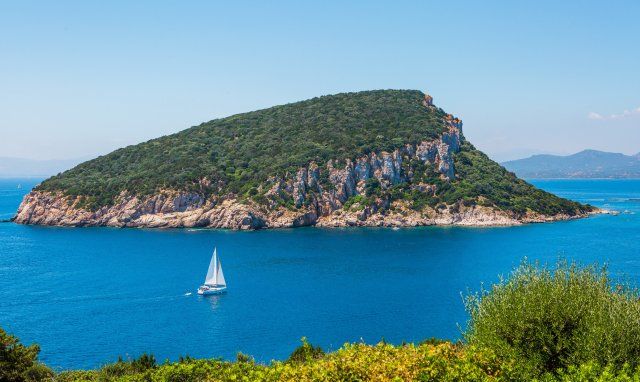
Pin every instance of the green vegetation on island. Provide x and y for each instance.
(238, 154)
(565, 324)
(244, 150)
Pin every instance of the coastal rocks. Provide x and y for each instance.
(58, 210)
(476, 216)
(405, 217)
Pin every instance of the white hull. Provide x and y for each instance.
(207, 290)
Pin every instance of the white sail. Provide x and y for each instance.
(220, 275)
(211, 272)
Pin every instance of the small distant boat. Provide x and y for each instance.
(19, 187)
(214, 282)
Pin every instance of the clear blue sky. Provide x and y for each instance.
(82, 78)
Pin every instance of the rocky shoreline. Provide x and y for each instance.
(57, 210)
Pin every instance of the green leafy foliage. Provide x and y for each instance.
(306, 352)
(372, 187)
(553, 319)
(356, 202)
(19, 363)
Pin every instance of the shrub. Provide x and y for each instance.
(360, 200)
(372, 187)
(551, 319)
(306, 352)
(19, 362)
(243, 358)
(144, 362)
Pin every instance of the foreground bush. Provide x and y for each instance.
(359, 362)
(353, 362)
(19, 363)
(549, 320)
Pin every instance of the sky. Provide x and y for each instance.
(80, 79)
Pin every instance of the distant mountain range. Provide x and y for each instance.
(585, 164)
(30, 168)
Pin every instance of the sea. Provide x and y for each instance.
(89, 295)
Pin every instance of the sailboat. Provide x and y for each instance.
(214, 282)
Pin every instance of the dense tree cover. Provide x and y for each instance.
(564, 324)
(238, 154)
(242, 151)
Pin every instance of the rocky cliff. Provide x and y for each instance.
(367, 190)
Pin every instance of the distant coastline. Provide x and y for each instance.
(587, 164)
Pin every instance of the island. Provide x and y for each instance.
(370, 158)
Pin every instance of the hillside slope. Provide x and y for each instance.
(385, 157)
(585, 164)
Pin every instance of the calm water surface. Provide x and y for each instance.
(88, 295)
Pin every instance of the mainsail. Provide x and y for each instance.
(214, 273)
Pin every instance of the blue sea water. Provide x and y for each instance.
(87, 295)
